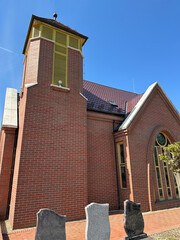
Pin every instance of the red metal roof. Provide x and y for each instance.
(99, 96)
(133, 102)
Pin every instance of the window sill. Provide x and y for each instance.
(167, 200)
(59, 88)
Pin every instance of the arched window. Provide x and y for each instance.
(162, 173)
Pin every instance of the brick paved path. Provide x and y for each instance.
(155, 222)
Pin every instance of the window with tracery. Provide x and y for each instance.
(163, 141)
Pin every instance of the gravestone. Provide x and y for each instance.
(97, 222)
(50, 225)
(133, 220)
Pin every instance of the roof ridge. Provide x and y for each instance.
(55, 22)
(140, 94)
(112, 87)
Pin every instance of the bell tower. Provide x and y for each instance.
(51, 156)
(63, 39)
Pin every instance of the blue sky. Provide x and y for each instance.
(132, 43)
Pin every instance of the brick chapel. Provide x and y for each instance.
(66, 142)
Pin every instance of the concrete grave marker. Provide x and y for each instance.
(133, 220)
(97, 222)
(50, 225)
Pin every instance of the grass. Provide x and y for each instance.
(173, 234)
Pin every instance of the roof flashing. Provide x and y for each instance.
(113, 103)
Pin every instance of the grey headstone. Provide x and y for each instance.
(97, 222)
(50, 225)
(133, 220)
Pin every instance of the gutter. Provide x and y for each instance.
(109, 113)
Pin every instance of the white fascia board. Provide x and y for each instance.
(34, 38)
(77, 50)
(65, 88)
(83, 96)
(30, 85)
(137, 107)
(10, 109)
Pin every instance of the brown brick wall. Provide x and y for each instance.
(155, 116)
(31, 63)
(6, 154)
(102, 186)
(52, 147)
(22, 107)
